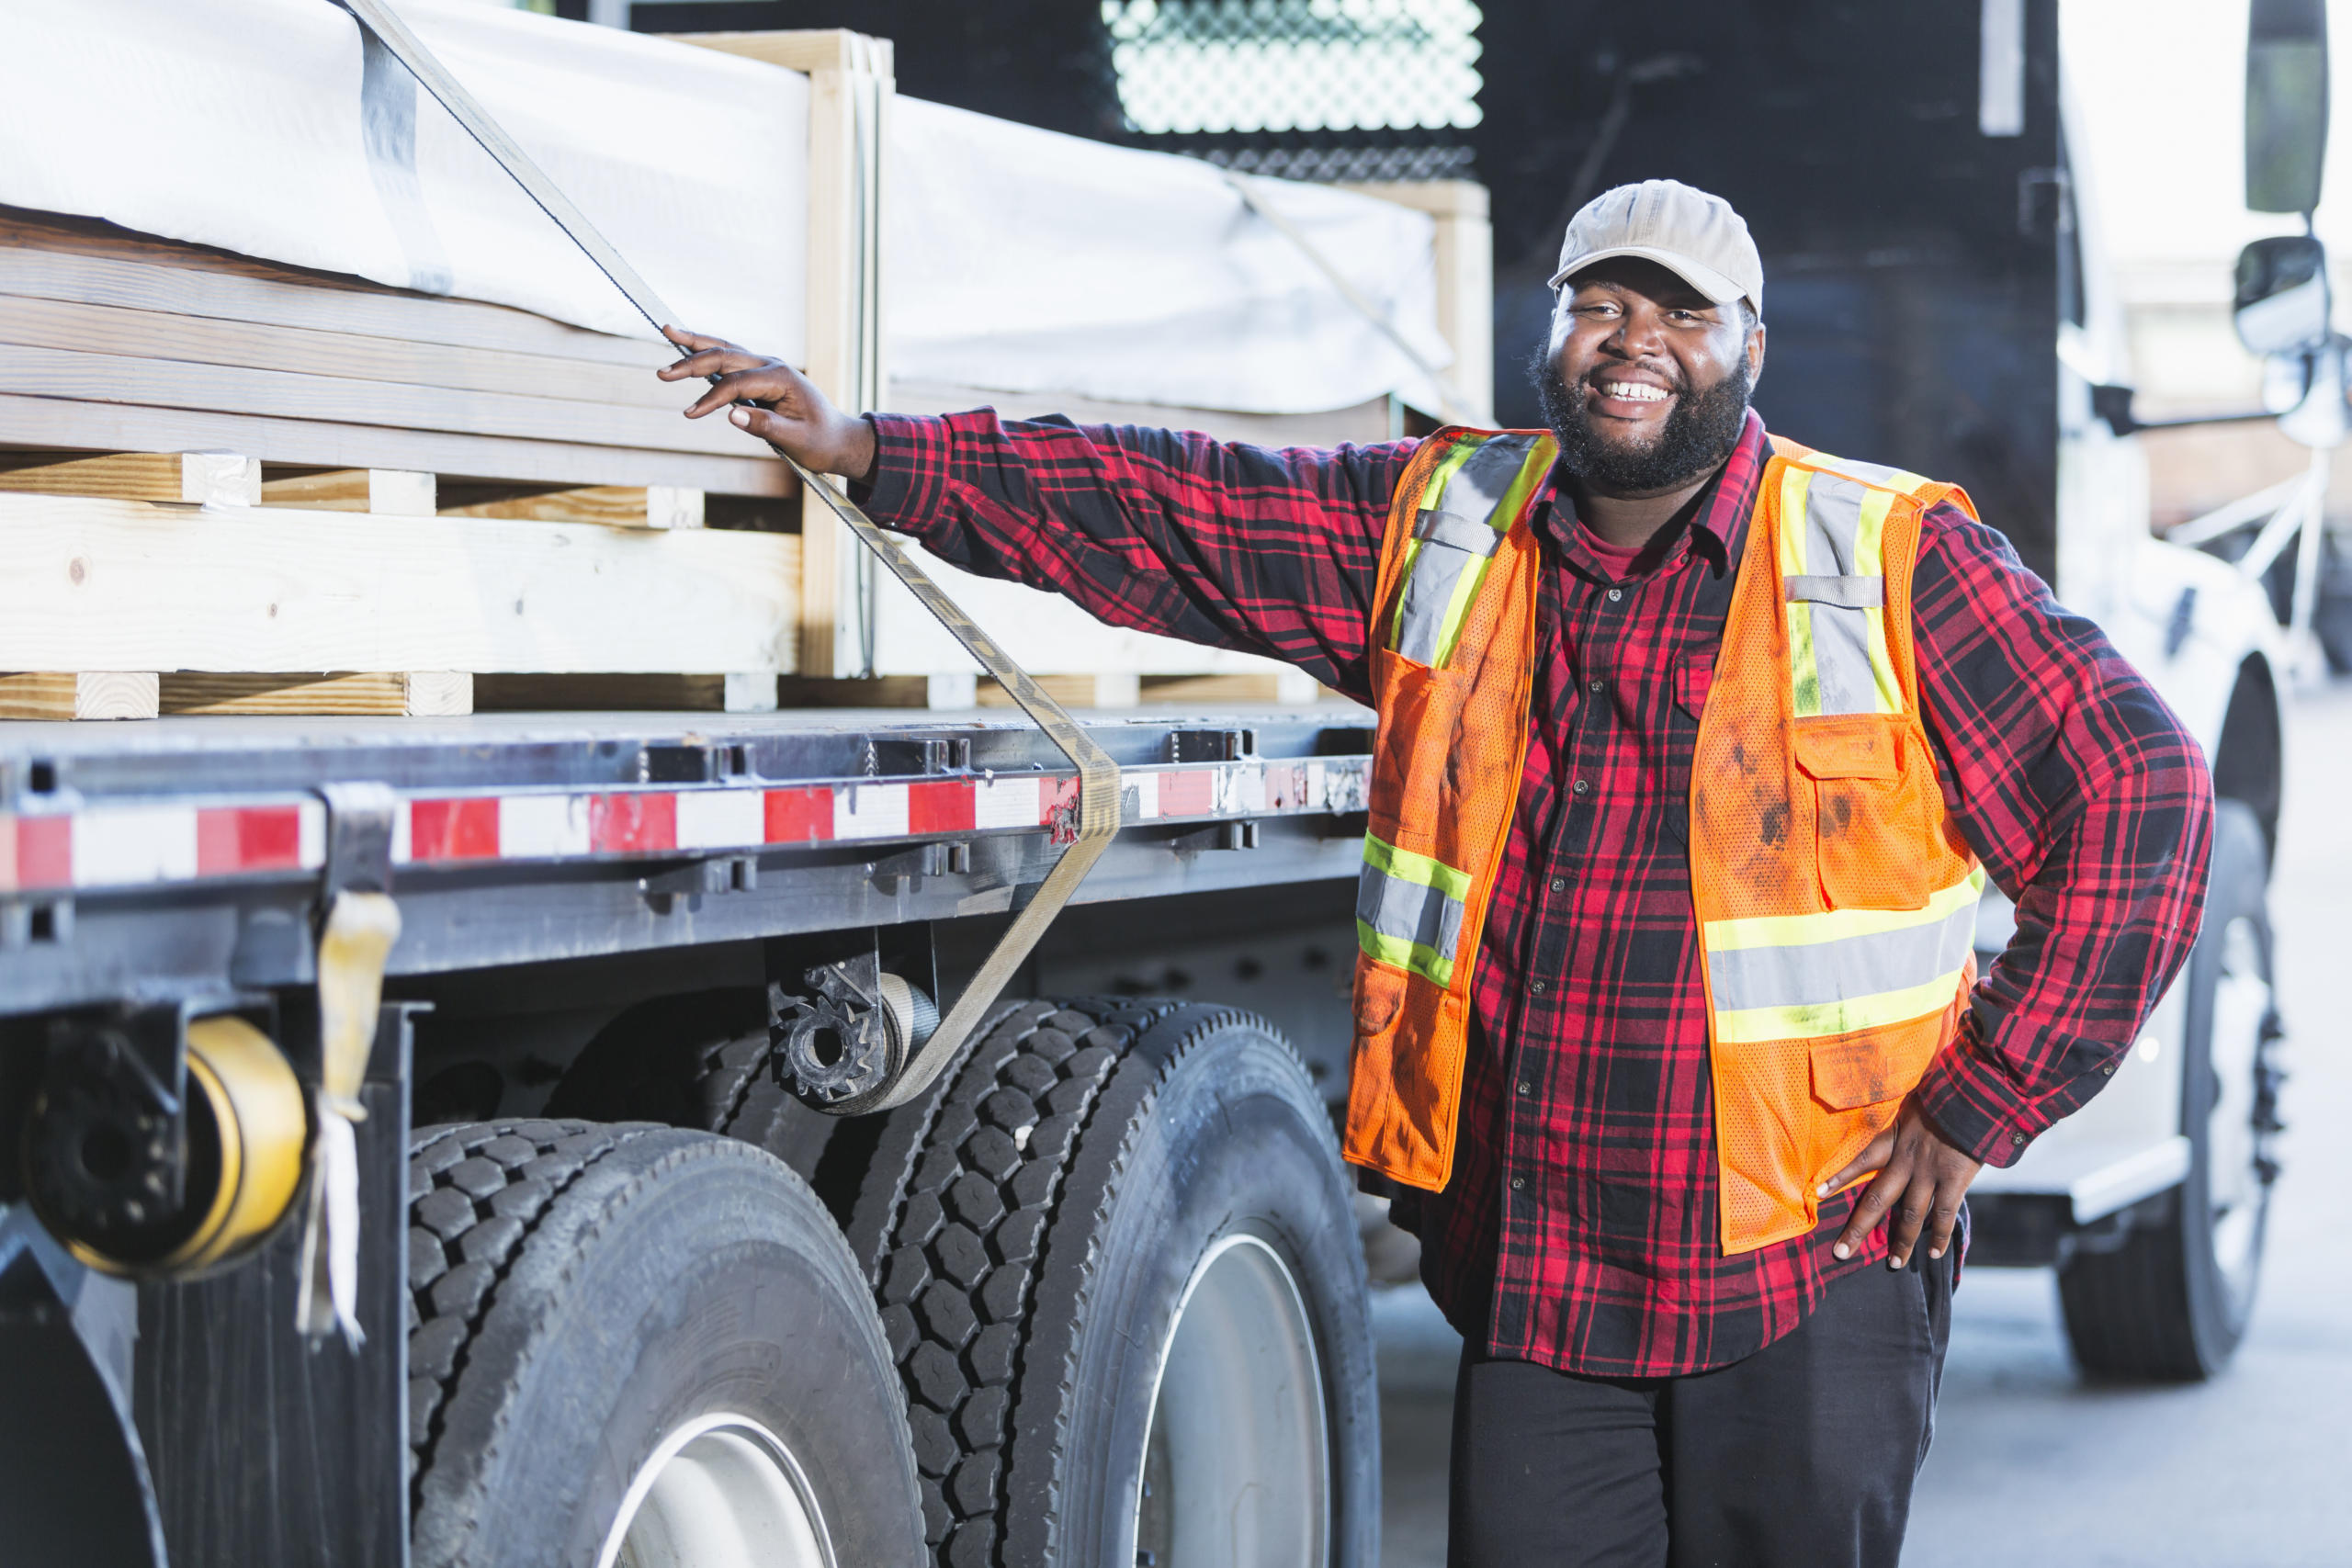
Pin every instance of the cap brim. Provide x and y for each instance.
(1718, 289)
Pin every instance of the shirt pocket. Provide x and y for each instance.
(1693, 675)
(1872, 822)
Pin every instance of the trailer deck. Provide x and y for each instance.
(186, 853)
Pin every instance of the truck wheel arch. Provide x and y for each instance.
(2249, 762)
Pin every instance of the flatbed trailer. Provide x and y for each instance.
(561, 880)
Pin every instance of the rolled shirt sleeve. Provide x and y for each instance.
(1264, 550)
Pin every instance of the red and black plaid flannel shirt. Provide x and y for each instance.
(1581, 1228)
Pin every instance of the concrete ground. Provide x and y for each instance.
(2032, 1466)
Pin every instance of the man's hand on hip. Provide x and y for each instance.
(1921, 1178)
(797, 419)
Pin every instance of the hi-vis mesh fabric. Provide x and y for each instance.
(1454, 663)
(1836, 902)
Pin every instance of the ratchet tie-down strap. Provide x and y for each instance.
(1098, 807)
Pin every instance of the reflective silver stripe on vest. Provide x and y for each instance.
(1841, 652)
(1472, 536)
(1407, 911)
(1869, 473)
(1455, 532)
(1844, 968)
(1848, 593)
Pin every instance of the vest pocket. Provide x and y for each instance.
(1420, 744)
(1872, 810)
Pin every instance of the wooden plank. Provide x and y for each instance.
(806, 49)
(91, 694)
(850, 88)
(616, 506)
(162, 334)
(192, 477)
(93, 584)
(435, 694)
(878, 692)
(600, 693)
(1361, 422)
(46, 257)
(1072, 691)
(166, 383)
(48, 423)
(1287, 687)
(1465, 277)
(388, 492)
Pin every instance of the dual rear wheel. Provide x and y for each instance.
(1099, 1301)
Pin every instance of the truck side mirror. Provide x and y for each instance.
(2282, 304)
(2286, 105)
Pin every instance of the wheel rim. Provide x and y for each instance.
(2236, 1186)
(1237, 1467)
(720, 1491)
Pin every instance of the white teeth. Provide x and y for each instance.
(1635, 391)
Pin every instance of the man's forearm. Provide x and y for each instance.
(1269, 552)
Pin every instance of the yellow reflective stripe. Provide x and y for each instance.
(1409, 956)
(1408, 866)
(1867, 473)
(1385, 859)
(1805, 675)
(1832, 925)
(1870, 560)
(1750, 1025)
(1440, 474)
(1465, 592)
(1795, 485)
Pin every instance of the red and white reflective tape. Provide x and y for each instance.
(134, 845)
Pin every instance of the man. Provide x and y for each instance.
(1696, 749)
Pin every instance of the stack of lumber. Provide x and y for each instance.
(228, 485)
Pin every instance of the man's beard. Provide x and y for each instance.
(1699, 434)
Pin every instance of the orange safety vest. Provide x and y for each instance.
(1834, 898)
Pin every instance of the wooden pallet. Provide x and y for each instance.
(138, 584)
(231, 486)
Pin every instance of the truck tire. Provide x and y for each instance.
(636, 1336)
(2171, 1304)
(696, 1060)
(1116, 1254)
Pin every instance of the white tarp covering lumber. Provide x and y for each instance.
(264, 127)
(1017, 259)
(1030, 261)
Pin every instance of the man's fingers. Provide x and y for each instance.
(1881, 1196)
(685, 339)
(773, 428)
(1910, 1217)
(1949, 1193)
(764, 385)
(722, 361)
(1871, 1159)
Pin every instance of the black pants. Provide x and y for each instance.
(1802, 1456)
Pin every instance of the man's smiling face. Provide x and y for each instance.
(1645, 381)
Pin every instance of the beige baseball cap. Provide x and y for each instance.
(1694, 235)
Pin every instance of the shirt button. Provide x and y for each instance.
(1526, 1088)
(2017, 1140)
(1598, 684)
(1540, 987)
(1615, 594)
(1560, 885)
(1580, 786)
(1517, 1182)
